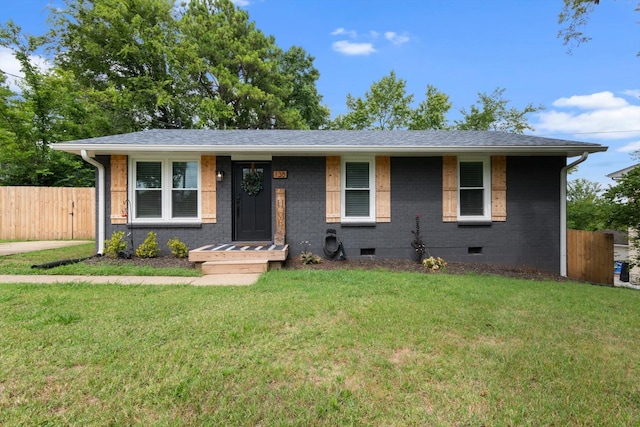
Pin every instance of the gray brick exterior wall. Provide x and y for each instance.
(529, 237)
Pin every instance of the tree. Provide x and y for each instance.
(432, 112)
(123, 50)
(574, 16)
(491, 112)
(298, 68)
(46, 111)
(386, 106)
(240, 77)
(584, 204)
(622, 206)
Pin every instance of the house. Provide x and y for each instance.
(484, 197)
(632, 251)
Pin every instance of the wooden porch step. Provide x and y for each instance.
(239, 252)
(235, 267)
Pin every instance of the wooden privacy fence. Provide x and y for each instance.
(590, 256)
(47, 213)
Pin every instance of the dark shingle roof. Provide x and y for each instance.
(324, 141)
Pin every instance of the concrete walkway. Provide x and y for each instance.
(21, 247)
(12, 248)
(208, 280)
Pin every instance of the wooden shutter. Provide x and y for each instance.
(333, 189)
(498, 188)
(208, 182)
(281, 217)
(383, 189)
(119, 205)
(449, 188)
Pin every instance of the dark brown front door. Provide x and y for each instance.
(252, 204)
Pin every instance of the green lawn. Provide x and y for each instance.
(321, 348)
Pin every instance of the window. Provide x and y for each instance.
(358, 195)
(184, 193)
(474, 189)
(166, 190)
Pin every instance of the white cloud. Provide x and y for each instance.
(11, 66)
(396, 38)
(241, 3)
(595, 101)
(9, 63)
(630, 147)
(634, 93)
(349, 48)
(344, 32)
(606, 117)
(355, 47)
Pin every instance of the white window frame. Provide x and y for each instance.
(372, 190)
(166, 162)
(486, 187)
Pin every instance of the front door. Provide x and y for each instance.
(252, 201)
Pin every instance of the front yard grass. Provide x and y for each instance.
(321, 348)
(21, 264)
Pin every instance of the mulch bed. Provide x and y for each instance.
(400, 265)
(392, 265)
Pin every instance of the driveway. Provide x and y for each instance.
(21, 247)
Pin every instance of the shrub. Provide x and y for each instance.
(434, 264)
(115, 244)
(417, 243)
(148, 248)
(178, 249)
(309, 258)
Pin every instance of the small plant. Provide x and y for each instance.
(307, 257)
(434, 264)
(115, 244)
(148, 248)
(417, 243)
(178, 249)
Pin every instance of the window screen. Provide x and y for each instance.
(148, 190)
(184, 194)
(357, 191)
(471, 188)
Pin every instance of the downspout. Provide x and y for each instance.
(101, 201)
(563, 212)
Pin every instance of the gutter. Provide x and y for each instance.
(101, 198)
(333, 149)
(563, 212)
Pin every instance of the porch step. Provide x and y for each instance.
(239, 252)
(230, 258)
(235, 267)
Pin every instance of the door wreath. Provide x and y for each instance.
(252, 182)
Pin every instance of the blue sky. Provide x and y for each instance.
(462, 47)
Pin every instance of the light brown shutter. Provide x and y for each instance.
(279, 237)
(449, 188)
(383, 189)
(119, 206)
(333, 189)
(208, 182)
(498, 188)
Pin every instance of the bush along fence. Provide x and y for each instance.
(47, 213)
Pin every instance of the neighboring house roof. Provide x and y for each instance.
(621, 172)
(619, 238)
(315, 142)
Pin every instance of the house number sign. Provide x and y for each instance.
(279, 174)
